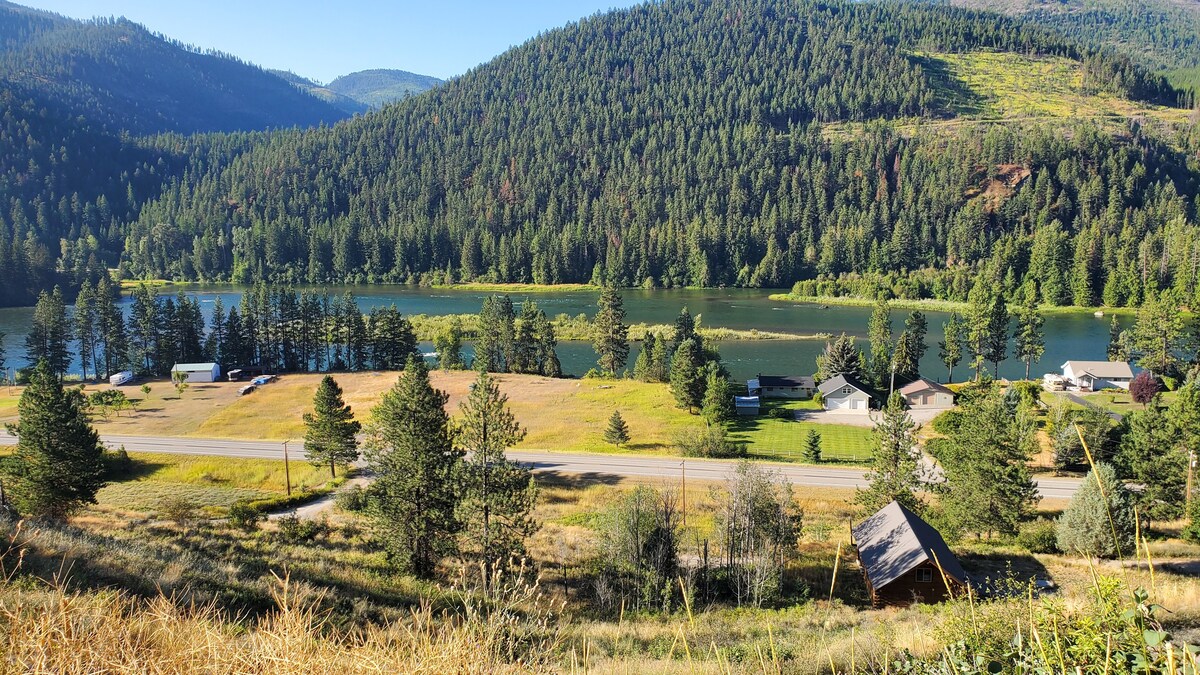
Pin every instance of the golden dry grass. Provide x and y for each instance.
(559, 414)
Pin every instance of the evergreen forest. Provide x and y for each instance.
(753, 143)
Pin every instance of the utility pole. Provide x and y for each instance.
(1187, 495)
(683, 489)
(287, 471)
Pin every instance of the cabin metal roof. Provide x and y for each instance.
(895, 540)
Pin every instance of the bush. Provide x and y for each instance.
(117, 464)
(1039, 536)
(1169, 383)
(710, 442)
(1087, 526)
(178, 509)
(293, 530)
(354, 499)
(781, 414)
(245, 517)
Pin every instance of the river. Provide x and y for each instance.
(1068, 335)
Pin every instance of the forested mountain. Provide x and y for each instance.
(1163, 33)
(688, 143)
(343, 103)
(116, 74)
(377, 88)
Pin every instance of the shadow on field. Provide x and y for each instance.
(1004, 573)
(575, 481)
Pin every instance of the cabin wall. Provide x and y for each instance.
(906, 590)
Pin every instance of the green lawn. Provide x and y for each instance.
(1121, 402)
(767, 437)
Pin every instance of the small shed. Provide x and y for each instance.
(746, 406)
(925, 394)
(905, 560)
(781, 386)
(846, 394)
(197, 372)
(1097, 375)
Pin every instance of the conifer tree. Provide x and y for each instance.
(1118, 342)
(840, 357)
(1159, 333)
(950, 348)
(1100, 508)
(414, 499)
(58, 464)
(50, 333)
(499, 494)
(330, 429)
(87, 327)
(907, 364)
(685, 329)
(687, 376)
(611, 334)
(1029, 339)
(717, 405)
(617, 432)
(812, 447)
(917, 328)
(495, 344)
(988, 486)
(143, 330)
(643, 364)
(879, 336)
(895, 465)
(113, 339)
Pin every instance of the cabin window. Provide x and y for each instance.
(847, 390)
(924, 575)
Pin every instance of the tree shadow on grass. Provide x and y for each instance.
(1003, 574)
(573, 481)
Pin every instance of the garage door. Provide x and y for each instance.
(839, 404)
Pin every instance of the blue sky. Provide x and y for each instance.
(322, 40)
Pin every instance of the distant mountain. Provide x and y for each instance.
(343, 103)
(376, 88)
(117, 74)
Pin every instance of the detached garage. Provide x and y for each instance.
(845, 394)
(197, 372)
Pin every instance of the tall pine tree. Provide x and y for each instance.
(330, 429)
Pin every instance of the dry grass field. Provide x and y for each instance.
(562, 415)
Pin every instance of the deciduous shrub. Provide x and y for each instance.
(1039, 536)
(245, 517)
(709, 442)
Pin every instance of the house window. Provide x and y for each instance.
(847, 390)
(924, 575)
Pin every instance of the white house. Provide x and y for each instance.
(1097, 375)
(198, 372)
(845, 394)
(925, 394)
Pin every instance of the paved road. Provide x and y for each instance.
(576, 464)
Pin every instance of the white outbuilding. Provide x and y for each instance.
(197, 372)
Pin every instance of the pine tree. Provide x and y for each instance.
(87, 327)
(840, 357)
(685, 329)
(879, 336)
(1100, 508)
(988, 486)
(143, 331)
(917, 328)
(50, 333)
(114, 342)
(1158, 334)
(643, 364)
(58, 464)
(717, 406)
(1029, 338)
(499, 495)
(896, 464)
(330, 429)
(660, 361)
(907, 363)
(617, 432)
(214, 343)
(687, 376)
(996, 340)
(611, 340)
(448, 345)
(812, 447)
(950, 348)
(1152, 456)
(415, 496)
(495, 345)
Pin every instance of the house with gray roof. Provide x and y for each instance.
(781, 386)
(1097, 375)
(904, 560)
(846, 394)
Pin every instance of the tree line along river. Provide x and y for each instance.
(1069, 335)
